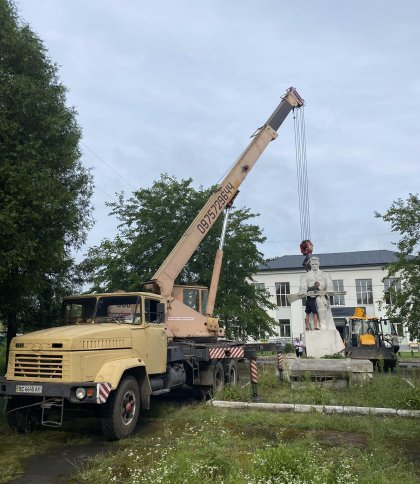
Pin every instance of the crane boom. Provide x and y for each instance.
(165, 276)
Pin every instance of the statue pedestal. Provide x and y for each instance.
(323, 342)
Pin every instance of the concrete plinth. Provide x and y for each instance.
(323, 342)
(336, 373)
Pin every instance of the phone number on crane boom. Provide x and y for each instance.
(219, 204)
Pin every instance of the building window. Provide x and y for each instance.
(364, 291)
(338, 299)
(282, 291)
(284, 325)
(391, 286)
(258, 286)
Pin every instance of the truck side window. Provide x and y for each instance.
(204, 299)
(151, 311)
(191, 298)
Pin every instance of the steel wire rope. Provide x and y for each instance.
(301, 173)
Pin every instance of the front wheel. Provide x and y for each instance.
(121, 412)
(22, 416)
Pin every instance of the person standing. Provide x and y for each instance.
(323, 307)
(311, 306)
(298, 347)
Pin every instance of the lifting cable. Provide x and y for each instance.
(302, 180)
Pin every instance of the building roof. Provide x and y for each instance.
(336, 259)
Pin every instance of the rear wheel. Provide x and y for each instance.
(218, 378)
(121, 412)
(232, 376)
(203, 392)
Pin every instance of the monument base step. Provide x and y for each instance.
(323, 342)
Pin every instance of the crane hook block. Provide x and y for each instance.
(306, 247)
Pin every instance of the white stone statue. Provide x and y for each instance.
(325, 287)
(316, 284)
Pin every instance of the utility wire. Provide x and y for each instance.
(109, 166)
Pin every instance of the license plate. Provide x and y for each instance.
(28, 388)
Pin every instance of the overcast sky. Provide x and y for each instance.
(179, 86)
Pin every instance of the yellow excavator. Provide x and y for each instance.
(371, 338)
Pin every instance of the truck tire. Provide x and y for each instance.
(22, 421)
(121, 411)
(218, 378)
(203, 392)
(232, 375)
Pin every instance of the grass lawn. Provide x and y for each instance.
(408, 354)
(192, 442)
(197, 443)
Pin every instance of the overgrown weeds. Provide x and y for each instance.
(387, 390)
(203, 444)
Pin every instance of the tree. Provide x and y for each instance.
(404, 217)
(44, 189)
(152, 220)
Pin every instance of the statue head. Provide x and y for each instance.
(314, 263)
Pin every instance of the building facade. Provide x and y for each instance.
(361, 274)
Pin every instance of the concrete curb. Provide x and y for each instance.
(328, 409)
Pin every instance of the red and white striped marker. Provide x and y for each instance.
(102, 392)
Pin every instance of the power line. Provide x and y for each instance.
(109, 166)
(340, 237)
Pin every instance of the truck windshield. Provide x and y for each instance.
(77, 311)
(118, 309)
(388, 328)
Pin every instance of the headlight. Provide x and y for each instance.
(80, 393)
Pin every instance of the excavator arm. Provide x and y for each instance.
(165, 276)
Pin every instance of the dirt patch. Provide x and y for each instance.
(329, 438)
(57, 466)
(342, 439)
(411, 451)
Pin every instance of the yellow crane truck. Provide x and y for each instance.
(113, 351)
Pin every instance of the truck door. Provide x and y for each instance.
(156, 340)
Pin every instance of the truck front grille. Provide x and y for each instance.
(38, 366)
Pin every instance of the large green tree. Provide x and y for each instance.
(44, 189)
(404, 217)
(151, 222)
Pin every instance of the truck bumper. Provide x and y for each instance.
(95, 392)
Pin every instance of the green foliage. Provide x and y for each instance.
(334, 356)
(152, 221)
(404, 217)
(2, 357)
(45, 191)
(289, 348)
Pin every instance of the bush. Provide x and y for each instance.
(3, 357)
(289, 348)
